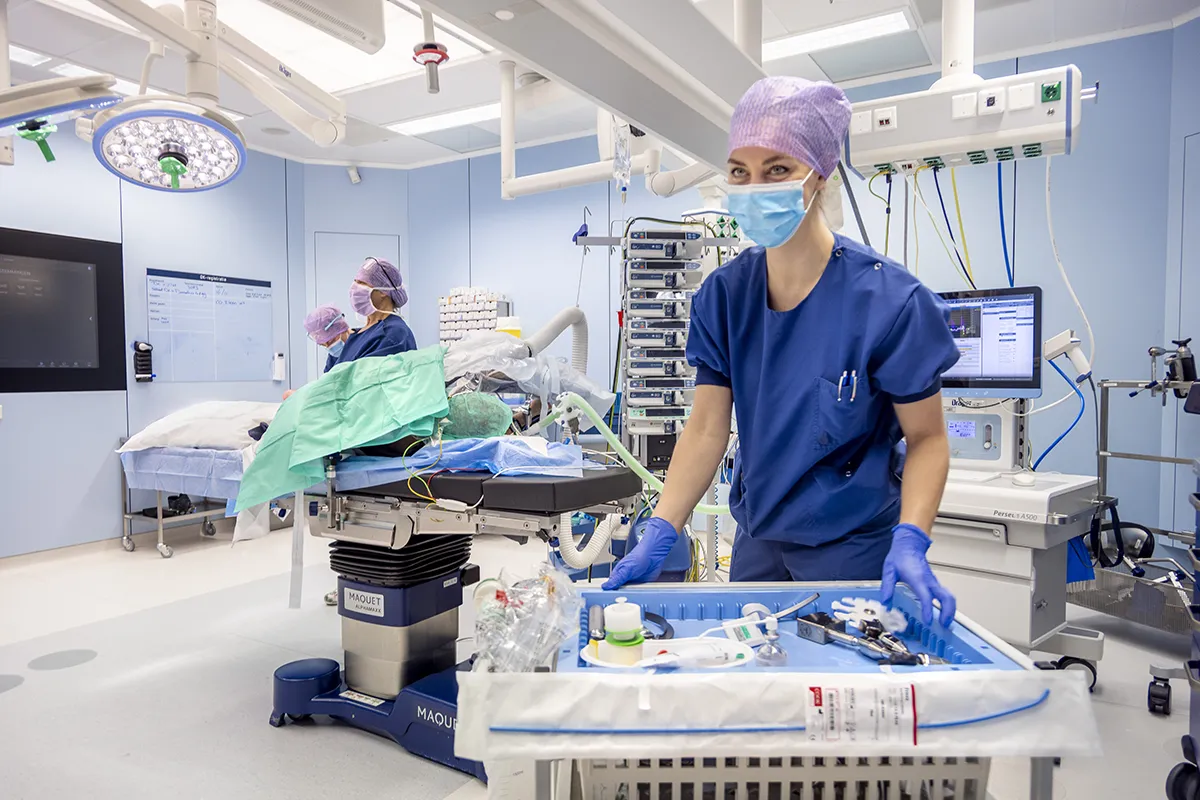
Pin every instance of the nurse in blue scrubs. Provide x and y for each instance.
(830, 352)
(378, 294)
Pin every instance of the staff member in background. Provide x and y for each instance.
(326, 325)
(378, 295)
(830, 352)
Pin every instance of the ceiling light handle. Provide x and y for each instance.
(172, 166)
(429, 53)
(37, 131)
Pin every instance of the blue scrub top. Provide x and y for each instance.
(814, 463)
(387, 337)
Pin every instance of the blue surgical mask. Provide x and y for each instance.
(769, 213)
(336, 348)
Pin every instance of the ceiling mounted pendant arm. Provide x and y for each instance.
(322, 131)
(748, 27)
(155, 24)
(279, 73)
(672, 182)
(958, 45)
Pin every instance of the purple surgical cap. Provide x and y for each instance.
(385, 277)
(325, 323)
(803, 119)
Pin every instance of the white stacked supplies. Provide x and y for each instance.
(468, 309)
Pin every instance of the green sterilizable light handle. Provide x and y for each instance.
(172, 166)
(38, 136)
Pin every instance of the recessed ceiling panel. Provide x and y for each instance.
(465, 139)
(880, 56)
(931, 10)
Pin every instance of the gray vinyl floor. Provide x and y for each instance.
(149, 681)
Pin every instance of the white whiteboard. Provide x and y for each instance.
(209, 327)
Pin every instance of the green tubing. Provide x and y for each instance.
(625, 455)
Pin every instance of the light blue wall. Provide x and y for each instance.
(332, 204)
(439, 253)
(1181, 432)
(60, 480)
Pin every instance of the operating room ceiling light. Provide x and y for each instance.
(451, 119)
(168, 145)
(27, 57)
(836, 36)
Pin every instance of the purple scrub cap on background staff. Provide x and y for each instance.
(325, 323)
(803, 119)
(385, 277)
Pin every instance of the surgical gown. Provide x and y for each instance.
(389, 336)
(813, 490)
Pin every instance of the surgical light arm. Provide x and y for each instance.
(323, 132)
(155, 24)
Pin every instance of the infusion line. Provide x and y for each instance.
(924, 726)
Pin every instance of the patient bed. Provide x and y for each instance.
(204, 474)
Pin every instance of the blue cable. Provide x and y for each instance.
(949, 230)
(1003, 234)
(925, 726)
(1079, 416)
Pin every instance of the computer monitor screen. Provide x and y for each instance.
(999, 337)
(48, 314)
(62, 314)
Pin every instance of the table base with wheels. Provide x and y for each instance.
(205, 512)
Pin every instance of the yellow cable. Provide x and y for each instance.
(938, 231)
(428, 489)
(962, 231)
(887, 214)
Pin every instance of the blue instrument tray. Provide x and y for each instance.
(692, 609)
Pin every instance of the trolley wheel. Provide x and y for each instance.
(208, 529)
(1183, 783)
(128, 543)
(1158, 697)
(299, 717)
(1069, 662)
(165, 550)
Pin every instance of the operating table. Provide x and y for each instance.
(402, 563)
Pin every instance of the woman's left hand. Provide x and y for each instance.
(906, 563)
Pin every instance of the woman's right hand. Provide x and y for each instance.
(288, 393)
(645, 561)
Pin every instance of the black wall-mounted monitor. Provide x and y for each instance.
(999, 337)
(62, 314)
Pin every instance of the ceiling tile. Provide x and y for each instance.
(720, 14)
(464, 84)
(811, 15)
(465, 139)
(1150, 12)
(931, 10)
(51, 31)
(797, 66)
(1074, 19)
(875, 57)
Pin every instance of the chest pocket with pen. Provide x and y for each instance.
(840, 413)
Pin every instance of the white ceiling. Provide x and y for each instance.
(388, 87)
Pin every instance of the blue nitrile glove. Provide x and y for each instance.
(645, 561)
(906, 563)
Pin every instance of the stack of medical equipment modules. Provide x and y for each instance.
(468, 309)
(662, 269)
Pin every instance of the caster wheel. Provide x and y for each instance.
(299, 717)
(165, 550)
(128, 544)
(1158, 697)
(331, 599)
(1067, 662)
(208, 529)
(1184, 782)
